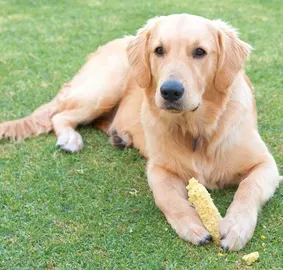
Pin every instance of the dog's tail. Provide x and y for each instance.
(37, 123)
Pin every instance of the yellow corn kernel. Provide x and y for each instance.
(251, 258)
(199, 197)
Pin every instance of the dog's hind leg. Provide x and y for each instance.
(94, 91)
(65, 122)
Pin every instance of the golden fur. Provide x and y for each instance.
(212, 136)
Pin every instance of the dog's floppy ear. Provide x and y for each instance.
(138, 54)
(232, 54)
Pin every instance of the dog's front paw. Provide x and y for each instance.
(70, 141)
(196, 234)
(236, 230)
(191, 231)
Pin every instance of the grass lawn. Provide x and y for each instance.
(63, 211)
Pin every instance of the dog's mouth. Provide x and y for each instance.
(177, 108)
(173, 109)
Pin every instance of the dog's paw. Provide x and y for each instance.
(120, 140)
(196, 234)
(236, 230)
(192, 232)
(70, 141)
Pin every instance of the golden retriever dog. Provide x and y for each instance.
(178, 93)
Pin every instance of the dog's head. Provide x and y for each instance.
(179, 57)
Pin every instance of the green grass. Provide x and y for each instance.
(62, 211)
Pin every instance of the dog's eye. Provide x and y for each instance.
(199, 53)
(159, 51)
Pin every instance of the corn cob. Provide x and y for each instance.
(199, 197)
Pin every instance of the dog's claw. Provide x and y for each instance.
(206, 240)
(225, 248)
(120, 141)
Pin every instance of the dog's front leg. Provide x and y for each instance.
(171, 197)
(238, 226)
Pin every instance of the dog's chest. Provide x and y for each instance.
(214, 173)
(191, 159)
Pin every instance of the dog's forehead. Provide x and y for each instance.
(183, 27)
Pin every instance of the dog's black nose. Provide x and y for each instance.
(172, 90)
